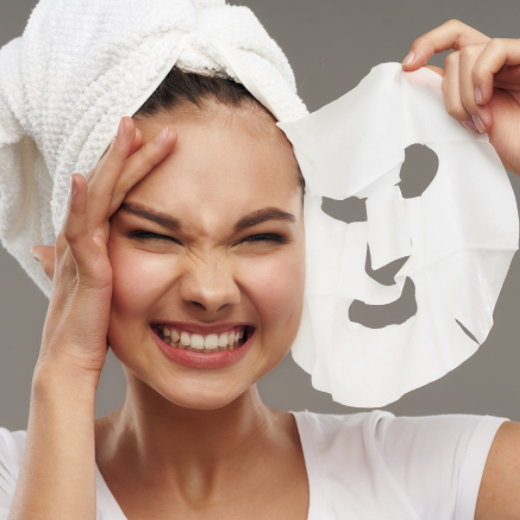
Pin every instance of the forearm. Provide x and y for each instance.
(57, 477)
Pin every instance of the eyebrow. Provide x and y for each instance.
(173, 224)
(263, 215)
(158, 217)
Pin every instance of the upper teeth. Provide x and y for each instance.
(212, 342)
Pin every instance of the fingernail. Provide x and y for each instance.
(121, 128)
(478, 95)
(479, 124)
(72, 185)
(409, 58)
(470, 127)
(34, 256)
(162, 136)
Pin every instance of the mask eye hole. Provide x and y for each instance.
(418, 170)
(348, 210)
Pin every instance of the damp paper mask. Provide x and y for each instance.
(460, 236)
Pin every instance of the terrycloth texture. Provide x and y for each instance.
(81, 65)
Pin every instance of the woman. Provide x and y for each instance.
(142, 262)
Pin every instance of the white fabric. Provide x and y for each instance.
(365, 466)
(81, 65)
(461, 235)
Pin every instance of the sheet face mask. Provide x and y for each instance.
(460, 235)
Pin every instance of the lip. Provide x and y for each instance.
(191, 359)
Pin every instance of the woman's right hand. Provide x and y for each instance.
(481, 83)
(75, 331)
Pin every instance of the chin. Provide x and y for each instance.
(197, 396)
(203, 402)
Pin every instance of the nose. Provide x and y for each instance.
(209, 287)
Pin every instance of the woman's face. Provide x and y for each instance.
(209, 247)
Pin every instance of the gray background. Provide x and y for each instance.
(332, 45)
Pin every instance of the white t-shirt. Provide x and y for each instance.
(363, 466)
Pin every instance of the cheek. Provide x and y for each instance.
(139, 281)
(276, 289)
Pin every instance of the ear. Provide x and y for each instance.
(46, 256)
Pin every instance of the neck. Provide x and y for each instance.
(162, 440)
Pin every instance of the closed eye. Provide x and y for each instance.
(272, 237)
(263, 237)
(147, 235)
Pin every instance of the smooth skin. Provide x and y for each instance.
(181, 447)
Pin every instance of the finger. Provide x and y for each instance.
(101, 188)
(113, 160)
(498, 53)
(450, 35)
(141, 163)
(481, 116)
(451, 91)
(137, 142)
(75, 227)
(46, 255)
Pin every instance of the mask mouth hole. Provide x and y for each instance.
(380, 316)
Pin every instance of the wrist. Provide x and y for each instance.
(61, 378)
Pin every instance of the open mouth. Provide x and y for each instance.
(230, 339)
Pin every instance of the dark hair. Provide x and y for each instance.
(180, 88)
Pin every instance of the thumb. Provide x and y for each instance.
(46, 256)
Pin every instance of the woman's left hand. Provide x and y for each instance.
(481, 83)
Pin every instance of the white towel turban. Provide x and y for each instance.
(83, 64)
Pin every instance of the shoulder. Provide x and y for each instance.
(499, 495)
(431, 464)
(386, 429)
(400, 438)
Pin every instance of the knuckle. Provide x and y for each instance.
(70, 236)
(496, 44)
(453, 23)
(468, 51)
(456, 111)
(451, 59)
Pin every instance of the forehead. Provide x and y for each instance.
(227, 157)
